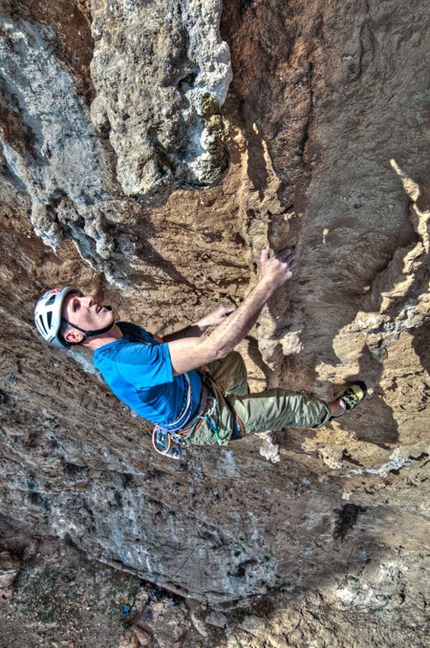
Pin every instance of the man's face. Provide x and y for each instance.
(85, 312)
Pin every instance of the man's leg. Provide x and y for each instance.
(230, 374)
(279, 408)
(271, 410)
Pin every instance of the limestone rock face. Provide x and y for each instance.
(149, 150)
(50, 148)
(161, 71)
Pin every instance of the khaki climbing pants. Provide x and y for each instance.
(270, 410)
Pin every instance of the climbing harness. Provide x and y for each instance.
(172, 441)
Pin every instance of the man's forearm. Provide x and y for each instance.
(274, 272)
(191, 353)
(232, 330)
(194, 352)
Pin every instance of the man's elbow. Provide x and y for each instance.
(212, 350)
(220, 351)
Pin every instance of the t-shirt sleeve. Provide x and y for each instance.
(145, 365)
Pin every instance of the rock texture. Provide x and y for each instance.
(148, 152)
(160, 72)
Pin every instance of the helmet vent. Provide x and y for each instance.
(42, 325)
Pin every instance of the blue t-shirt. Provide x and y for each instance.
(139, 371)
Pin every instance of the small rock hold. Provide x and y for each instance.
(217, 619)
(9, 566)
(129, 640)
(270, 450)
(199, 626)
(143, 637)
(332, 457)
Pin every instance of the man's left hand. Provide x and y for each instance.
(215, 317)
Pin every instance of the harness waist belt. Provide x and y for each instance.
(196, 420)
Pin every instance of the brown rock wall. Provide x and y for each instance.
(324, 121)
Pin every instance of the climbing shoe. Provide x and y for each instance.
(353, 395)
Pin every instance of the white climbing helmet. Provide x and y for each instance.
(47, 315)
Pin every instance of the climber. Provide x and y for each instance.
(192, 387)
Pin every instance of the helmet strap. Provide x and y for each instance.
(88, 334)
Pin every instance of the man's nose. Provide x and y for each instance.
(87, 300)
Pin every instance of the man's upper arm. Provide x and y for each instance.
(187, 354)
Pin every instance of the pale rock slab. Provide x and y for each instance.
(161, 71)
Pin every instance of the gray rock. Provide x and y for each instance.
(161, 71)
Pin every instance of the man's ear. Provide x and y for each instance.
(73, 336)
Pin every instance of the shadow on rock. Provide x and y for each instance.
(421, 344)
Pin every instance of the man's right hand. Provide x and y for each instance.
(276, 270)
